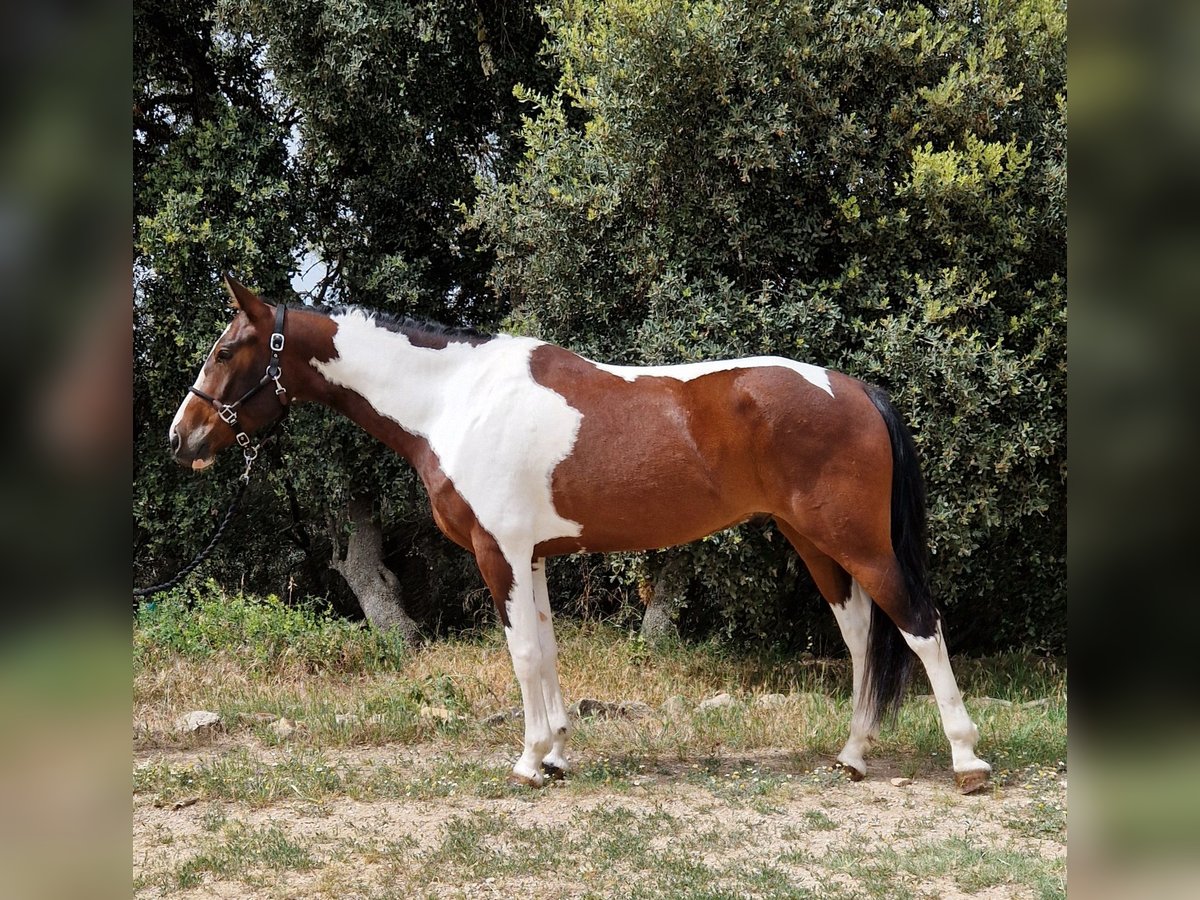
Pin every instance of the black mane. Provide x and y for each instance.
(420, 333)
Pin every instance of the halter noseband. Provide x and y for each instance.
(227, 412)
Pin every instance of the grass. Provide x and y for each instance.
(735, 802)
(252, 661)
(237, 851)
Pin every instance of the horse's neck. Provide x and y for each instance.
(381, 380)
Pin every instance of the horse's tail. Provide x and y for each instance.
(889, 659)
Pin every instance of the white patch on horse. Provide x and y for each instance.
(956, 722)
(854, 619)
(200, 434)
(814, 375)
(497, 433)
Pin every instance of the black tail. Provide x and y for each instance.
(889, 659)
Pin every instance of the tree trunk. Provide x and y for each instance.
(373, 583)
(663, 600)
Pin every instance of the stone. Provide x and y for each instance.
(587, 707)
(901, 782)
(505, 715)
(771, 701)
(676, 706)
(436, 712)
(720, 701)
(634, 709)
(198, 720)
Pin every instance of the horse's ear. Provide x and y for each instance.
(241, 297)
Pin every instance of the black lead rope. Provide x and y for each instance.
(251, 453)
(228, 414)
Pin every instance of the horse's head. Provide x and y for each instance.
(237, 391)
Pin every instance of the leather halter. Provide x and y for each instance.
(227, 412)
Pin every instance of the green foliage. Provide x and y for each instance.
(876, 188)
(269, 130)
(879, 190)
(263, 634)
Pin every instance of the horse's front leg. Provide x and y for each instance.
(510, 579)
(555, 762)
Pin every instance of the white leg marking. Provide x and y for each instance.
(525, 649)
(955, 721)
(556, 712)
(854, 619)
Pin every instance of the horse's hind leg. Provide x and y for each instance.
(852, 609)
(970, 772)
(882, 582)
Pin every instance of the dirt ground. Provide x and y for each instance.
(732, 825)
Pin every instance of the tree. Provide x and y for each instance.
(212, 189)
(876, 188)
(352, 132)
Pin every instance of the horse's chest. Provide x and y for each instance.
(499, 448)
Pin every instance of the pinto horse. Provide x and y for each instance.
(530, 451)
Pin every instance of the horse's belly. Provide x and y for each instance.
(647, 508)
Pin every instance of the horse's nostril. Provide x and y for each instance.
(175, 441)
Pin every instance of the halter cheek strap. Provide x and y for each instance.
(227, 412)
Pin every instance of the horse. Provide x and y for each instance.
(529, 451)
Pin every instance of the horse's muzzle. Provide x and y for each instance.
(192, 454)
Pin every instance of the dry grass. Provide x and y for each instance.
(734, 802)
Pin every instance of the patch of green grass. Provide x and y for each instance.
(1046, 815)
(239, 851)
(610, 772)
(972, 867)
(344, 685)
(744, 785)
(264, 634)
(815, 820)
(304, 774)
(243, 778)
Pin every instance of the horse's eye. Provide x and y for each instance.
(224, 353)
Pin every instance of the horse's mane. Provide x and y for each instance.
(420, 332)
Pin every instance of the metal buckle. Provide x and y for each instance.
(243, 439)
(228, 415)
(249, 454)
(277, 345)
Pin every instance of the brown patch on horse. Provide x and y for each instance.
(659, 461)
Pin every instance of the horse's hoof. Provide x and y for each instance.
(525, 780)
(854, 773)
(553, 772)
(970, 782)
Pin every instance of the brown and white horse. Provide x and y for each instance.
(528, 451)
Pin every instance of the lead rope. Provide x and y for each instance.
(250, 454)
(228, 414)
